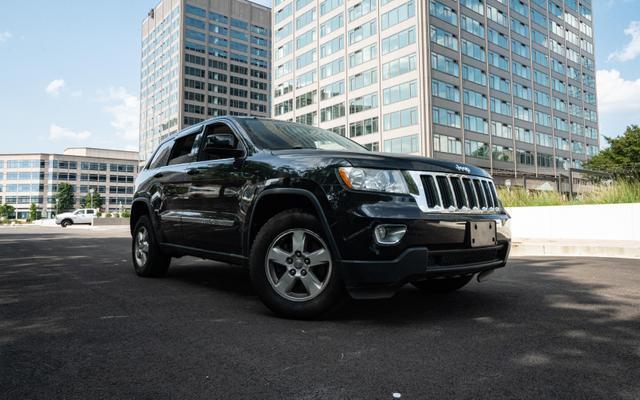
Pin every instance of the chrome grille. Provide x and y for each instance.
(440, 192)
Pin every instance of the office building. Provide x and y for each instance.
(201, 59)
(33, 178)
(508, 85)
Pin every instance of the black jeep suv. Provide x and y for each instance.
(314, 215)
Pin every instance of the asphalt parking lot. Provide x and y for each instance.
(76, 323)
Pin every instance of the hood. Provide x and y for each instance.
(65, 214)
(366, 159)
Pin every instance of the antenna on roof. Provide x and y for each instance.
(152, 13)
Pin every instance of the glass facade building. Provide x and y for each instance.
(34, 178)
(508, 85)
(200, 59)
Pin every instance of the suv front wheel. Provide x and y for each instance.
(292, 268)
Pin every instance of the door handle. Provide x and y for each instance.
(193, 171)
(158, 175)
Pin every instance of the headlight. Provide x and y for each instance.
(374, 180)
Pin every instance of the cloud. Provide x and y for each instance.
(632, 49)
(58, 132)
(618, 102)
(124, 109)
(615, 94)
(4, 36)
(54, 87)
(76, 93)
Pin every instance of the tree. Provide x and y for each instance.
(622, 157)
(6, 210)
(33, 212)
(65, 199)
(97, 200)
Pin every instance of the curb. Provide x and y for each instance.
(520, 249)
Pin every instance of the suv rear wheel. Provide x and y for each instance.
(148, 259)
(292, 268)
(442, 285)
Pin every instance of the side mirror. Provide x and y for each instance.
(223, 144)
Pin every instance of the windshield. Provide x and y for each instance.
(280, 135)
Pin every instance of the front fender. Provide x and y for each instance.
(307, 194)
(142, 205)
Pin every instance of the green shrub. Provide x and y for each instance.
(108, 215)
(616, 193)
(125, 214)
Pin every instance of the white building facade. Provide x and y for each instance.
(507, 85)
(33, 178)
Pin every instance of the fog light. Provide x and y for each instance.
(387, 234)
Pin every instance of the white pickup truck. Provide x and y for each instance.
(81, 216)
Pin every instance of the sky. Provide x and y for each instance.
(70, 71)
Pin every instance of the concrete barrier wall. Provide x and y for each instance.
(110, 221)
(588, 222)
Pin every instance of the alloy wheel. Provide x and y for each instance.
(142, 247)
(298, 265)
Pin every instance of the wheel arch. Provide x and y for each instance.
(139, 207)
(282, 199)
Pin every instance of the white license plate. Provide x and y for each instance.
(482, 233)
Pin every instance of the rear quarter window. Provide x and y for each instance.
(162, 156)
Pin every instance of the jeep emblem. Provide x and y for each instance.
(463, 168)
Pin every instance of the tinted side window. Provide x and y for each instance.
(181, 152)
(162, 156)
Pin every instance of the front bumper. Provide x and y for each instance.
(435, 244)
(381, 279)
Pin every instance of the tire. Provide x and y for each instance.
(292, 268)
(445, 285)
(151, 262)
(66, 222)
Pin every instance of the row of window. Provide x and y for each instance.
(52, 200)
(451, 66)
(223, 19)
(224, 66)
(442, 116)
(222, 100)
(61, 164)
(226, 43)
(354, 35)
(447, 117)
(222, 53)
(476, 99)
(213, 111)
(481, 150)
(35, 188)
(517, 7)
(22, 164)
(451, 92)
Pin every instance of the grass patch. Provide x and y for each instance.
(616, 193)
